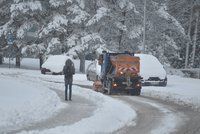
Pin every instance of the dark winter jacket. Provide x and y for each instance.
(68, 71)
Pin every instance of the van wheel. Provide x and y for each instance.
(164, 83)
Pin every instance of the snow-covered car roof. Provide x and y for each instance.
(150, 66)
(55, 63)
(97, 67)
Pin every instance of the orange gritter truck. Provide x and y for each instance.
(120, 73)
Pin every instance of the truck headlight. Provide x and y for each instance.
(114, 85)
(138, 85)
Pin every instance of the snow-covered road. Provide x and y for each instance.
(153, 116)
(160, 117)
(97, 120)
(77, 109)
(89, 112)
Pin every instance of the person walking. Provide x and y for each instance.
(68, 71)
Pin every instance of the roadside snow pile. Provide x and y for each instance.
(105, 119)
(23, 103)
(27, 63)
(184, 91)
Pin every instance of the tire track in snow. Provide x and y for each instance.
(153, 117)
(78, 109)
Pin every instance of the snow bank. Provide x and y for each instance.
(23, 103)
(28, 63)
(183, 91)
(106, 118)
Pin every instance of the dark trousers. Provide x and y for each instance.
(66, 91)
(68, 85)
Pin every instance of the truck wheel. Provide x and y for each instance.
(110, 87)
(135, 92)
(138, 92)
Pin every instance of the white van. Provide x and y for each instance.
(93, 71)
(152, 71)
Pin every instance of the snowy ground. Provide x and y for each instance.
(22, 91)
(22, 102)
(183, 91)
(37, 102)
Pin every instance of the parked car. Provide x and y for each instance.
(93, 71)
(54, 64)
(152, 71)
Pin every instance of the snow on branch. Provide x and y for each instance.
(25, 7)
(91, 42)
(33, 50)
(4, 29)
(170, 42)
(126, 4)
(54, 46)
(81, 3)
(57, 3)
(80, 14)
(91, 37)
(101, 12)
(136, 32)
(56, 24)
(164, 14)
(121, 26)
(24, 28)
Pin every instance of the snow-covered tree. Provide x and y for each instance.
(185, 12)
(70, 26)
(84, 43)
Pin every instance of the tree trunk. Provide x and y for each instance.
(195, 39)
(18, 60)
(1, 58)
(188, 34)
(82, 63)
(18, 55)
(41, 59)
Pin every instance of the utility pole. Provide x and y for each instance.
(144, 25)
